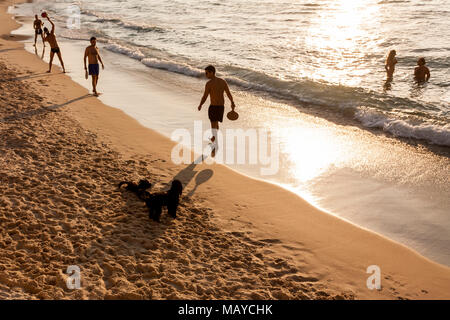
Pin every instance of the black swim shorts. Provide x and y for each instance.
(55, 50)
(215, 113)
(38, 31)
(94, 69)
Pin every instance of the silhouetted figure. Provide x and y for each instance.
(37, 25)
(51, 39)
(215, 88)
(421, 73)
(391, 61)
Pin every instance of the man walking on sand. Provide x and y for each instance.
(93, 56)
(215, 88)
(51, 39)
(37, 25)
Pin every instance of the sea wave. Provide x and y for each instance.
(140, 27)
(371, 109)
(133, 53)
(430, 132)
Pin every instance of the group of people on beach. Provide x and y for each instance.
(91, 53)
(215, 88)
(421, 72)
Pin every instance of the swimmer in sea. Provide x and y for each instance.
(421, 73)
(391, 61)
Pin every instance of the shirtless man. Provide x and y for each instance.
(37, 25)
(421, 73)
(93, 56)
(215, 88)
(51, 39)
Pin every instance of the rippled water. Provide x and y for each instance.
(327, 53)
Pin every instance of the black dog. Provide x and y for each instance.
(156, 201)
(170, 199)
(139, 189)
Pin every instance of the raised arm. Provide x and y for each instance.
(205, 96)
(53, 25)
(227, 91)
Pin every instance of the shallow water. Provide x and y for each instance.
(398, 189)
(327, 53)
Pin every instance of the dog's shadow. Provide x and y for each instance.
(189, 173)
(202, 177)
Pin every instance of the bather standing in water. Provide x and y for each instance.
(421, 73)
(391, 61)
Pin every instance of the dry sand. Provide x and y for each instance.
(62, 154)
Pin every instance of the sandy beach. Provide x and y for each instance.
(63, 153)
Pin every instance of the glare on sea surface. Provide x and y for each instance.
(311, 151)
(339, 39)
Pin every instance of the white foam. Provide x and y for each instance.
(433, 133)
(130, 52)
(172, 66)
(126, 24)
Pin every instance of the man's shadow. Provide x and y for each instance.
(187, 175)
(31, 76)
(40, 111)
(43, 52)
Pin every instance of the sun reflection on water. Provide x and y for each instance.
(311, 151)
(339, 39)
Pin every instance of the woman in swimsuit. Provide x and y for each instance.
(391, 61)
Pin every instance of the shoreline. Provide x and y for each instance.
(346, 193)
(331, 249)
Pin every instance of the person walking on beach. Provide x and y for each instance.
(391, 61)
(421, 73)
(215, 88)
(37, 25)
(51, 39)
(93, 56)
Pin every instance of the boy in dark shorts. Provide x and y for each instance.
(215, 88)
(93, 56)
(51, 39)
(37, 25)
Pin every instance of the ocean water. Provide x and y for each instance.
(324, 54)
